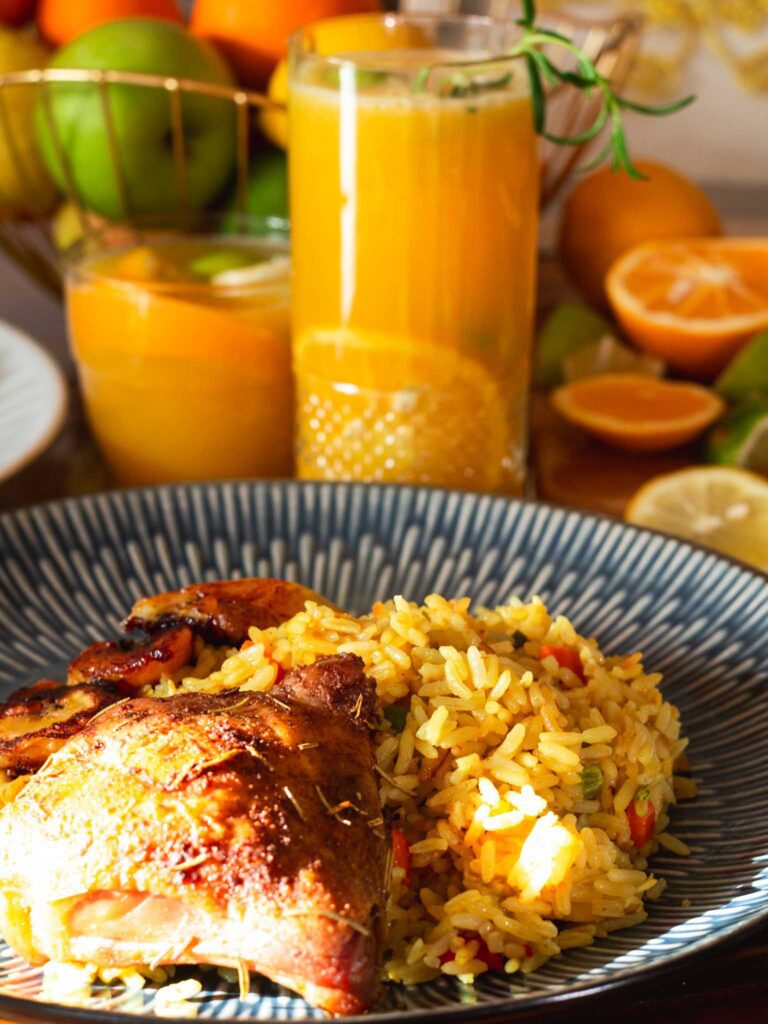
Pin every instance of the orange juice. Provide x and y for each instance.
(414, 184)
(183, 355)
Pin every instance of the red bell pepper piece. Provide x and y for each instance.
(565, 657)
(401, 853)
(493, 961)
(641, 815)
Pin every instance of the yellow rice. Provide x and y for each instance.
(485, 779)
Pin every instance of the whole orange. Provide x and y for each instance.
(16, 12)
(253, 34)
(59, 21)
(607, 213)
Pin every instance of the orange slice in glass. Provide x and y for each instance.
(693, 302)
(373, 406)
(636, 412)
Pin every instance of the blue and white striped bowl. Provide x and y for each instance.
(69, 571)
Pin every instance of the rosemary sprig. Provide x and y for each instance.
(543, 71)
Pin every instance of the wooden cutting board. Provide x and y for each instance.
(572, 469)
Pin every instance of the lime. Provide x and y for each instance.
(741, 438)
(567, 329)
(218, 260)
(747, 373)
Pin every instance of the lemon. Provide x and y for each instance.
(336, 36)
(747, 373)
(273, 118)
(66, 226)
(741, 438)
(721, 507)
(25, 185)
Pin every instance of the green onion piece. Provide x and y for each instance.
(643, 794)
(591, 781)
(396, 715)
(518, 639)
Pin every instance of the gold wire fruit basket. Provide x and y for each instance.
(28, 197)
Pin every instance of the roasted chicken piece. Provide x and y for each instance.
(222, 612)
(131, 665)
(36, 721)
(235, 829)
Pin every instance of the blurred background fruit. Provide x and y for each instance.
(69, 225)
(721, 507)
(355, 36)
(607, 213)
(693, 302)
(638, 412)
(25, 186)
(59, 21)
(16, 12)
(273, 121)
(253, 33)
(741, 438)
(141, 119)
(267, 194)
(66, 226)
(567, 329)
(746, 376)
(609, 355)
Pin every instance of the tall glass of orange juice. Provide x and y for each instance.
(182, 343)
(414, 197)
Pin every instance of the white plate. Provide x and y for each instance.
(33, 399)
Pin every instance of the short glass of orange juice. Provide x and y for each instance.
(181, 335)
(414, 198)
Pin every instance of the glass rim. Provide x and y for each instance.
(97, 242)
(395, 18)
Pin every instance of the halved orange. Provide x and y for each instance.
(694, 302)
(637, 412)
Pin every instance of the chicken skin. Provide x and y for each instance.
(233, 829)
(130, 666)
(35, 722)
(223, 612)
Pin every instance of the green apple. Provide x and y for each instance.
(25, 185)
(267, 192)
(75, 140)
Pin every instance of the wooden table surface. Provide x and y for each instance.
(726, 986)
